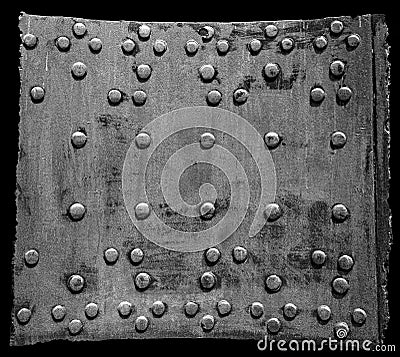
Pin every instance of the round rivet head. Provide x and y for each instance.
(290, 311)
(256, 310)
(63, 43)
(136, 256)
(79, 70)
(212, 255)
(341, 330)
(272, 212)
(58, 312)
(318, 257)
(207, 322)
(37, 94)
(24, 315)
(143, 71)
(255, 45)
(95, 45)
(222, 46)
(76, 211)
(144, 32)
(338, 140)
(207, 32)
(340, 213)
(124, 309)
(78, 139)
(287, 44)
(271, 31)
(158, 308)
(31, 257)
(273, 283)
(271, 70)
(273, 325)
(207, 140)
(344, 94)
(111, 255)
(128, 46)
(353, 40)
(114, 96)
(320, 43)
(91, 310)
(142, 140)
(191, 309)
(240, 96)
(336, 27)
(76, 283)
(340, 286)
(141, 323)
(142, 281)
(142, 210)
(207, 280)
(359, 316)
(75, 326)
(79, 29)
(337, 68)
(207, 210)
(272, 140)
(191, 47)
(207, 72)
(160, 46)
(345, 262)
(29, 40)
(224, 307)
(324, 312)
(317, 95)
(139, 97)
(214, 97)
(239, 254)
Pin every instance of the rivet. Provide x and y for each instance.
(340, 286)
(160, 46)
(240, 95)
(124, 309)
(214, 97)
(345, 262)
(142, 140)
(78, 139)
(191, 308)
(128, 46)
(141, 323)
(318, 257)
(272, 212)
(256, 310)
(336, 27)
(341, 330)
(212, 255)
(207, 210)
(76, 211)
(114, 96)
(142, 210)
(290, 310)
(317, 95)
(273, 325)
(37, 94)
(287, 44)
(158, 308)
(208, 280)
(29, 40)
(144, 32)
(273, 283)
(79, 70)
(207, 72)
(353, 40)
(337, 68)
(136, 256)
(207, 140)
(255, 45)
(224, 307)
(139, 97)
(359, 316)
(207, 322)
(143, 71)
(142, 281)
(338, 140)
(95, 45)
(207, 32)
(75, 326)
(31, 257)
(324, 312)
(91, 310)
(111, 255)
(272, 140)
(222, 46)
(191, 47)
(271, 31)
(63, 43)
(271, 70)
(239, 254)
(320, 43)
(344, 94)
(339, 213)
(24, 315)
(79, 29)
(58, 312)
(76, 283)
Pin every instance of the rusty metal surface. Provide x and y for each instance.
(298, 251)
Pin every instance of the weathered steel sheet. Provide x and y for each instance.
(173, 117)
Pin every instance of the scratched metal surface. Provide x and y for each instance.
(311, 178)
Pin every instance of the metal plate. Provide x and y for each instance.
(100, 133)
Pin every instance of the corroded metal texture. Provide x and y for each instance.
(202, 180)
